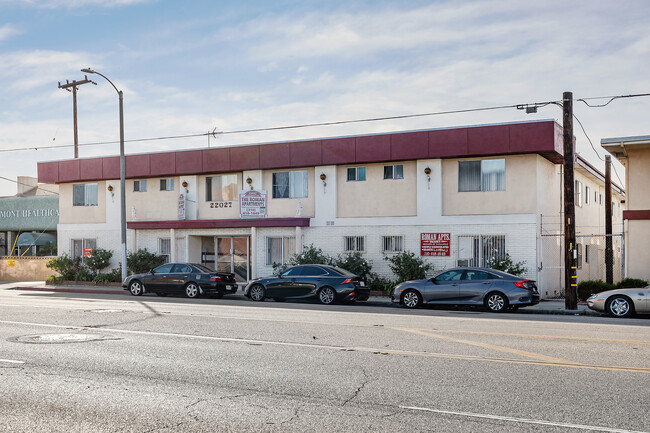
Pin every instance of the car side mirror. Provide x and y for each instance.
(151, 271)
(434, 281)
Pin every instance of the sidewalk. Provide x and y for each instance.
(547, 306)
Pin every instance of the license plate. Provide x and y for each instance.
(361, 283)
(228, 287)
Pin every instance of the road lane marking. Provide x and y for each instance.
(523, 353)
(11, 361)
(376, 351)
(522, 420)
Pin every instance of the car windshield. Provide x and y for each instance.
(203, 268)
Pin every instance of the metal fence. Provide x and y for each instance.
(591, 261)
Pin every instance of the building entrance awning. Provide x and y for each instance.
(38, 239)
(218, 224)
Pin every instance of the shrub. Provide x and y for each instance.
(355, 263)
(143, 261)
(110, 277)
(99, 259)
(506, 264)
(84, 274)
(310, 255)
(382, 284)
(589, 287)
(407, 266)
(631, 283)
(66, 266)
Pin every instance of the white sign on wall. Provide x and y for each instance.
(182, 205)
(252, 204)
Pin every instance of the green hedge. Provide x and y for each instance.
(589, 287)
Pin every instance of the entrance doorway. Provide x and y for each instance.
(233, 255)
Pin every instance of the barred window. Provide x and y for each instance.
(480, 251)
(393, 244)
(164, 248)
(355, 243)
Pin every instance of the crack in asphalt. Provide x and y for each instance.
(293, 417)
(366, 379)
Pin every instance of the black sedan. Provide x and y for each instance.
(181, 278)
(495, 290)
(327, 283)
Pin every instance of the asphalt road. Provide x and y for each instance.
(101, 363)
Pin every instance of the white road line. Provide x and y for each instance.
(11, 361)
(523, 420)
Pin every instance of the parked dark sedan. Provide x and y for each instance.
(496, 290)
(177, 278)
(327, 283)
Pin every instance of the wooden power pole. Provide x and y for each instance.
(570, 269)
(609, 252)
(74, 85)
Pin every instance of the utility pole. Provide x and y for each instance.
(609, 252)
(570, 269)
(74, 85)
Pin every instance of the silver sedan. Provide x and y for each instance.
(497, 291)
(621, 302)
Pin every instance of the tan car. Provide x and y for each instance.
(621, 302)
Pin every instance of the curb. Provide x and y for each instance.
(62, 290)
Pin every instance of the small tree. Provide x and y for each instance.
(98, 260)
(407, 266)
(66, 266)
(143, 261)
(506, 264)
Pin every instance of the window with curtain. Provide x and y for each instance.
(279, 249)
(290, 184)
(483, 175)
(84, 194)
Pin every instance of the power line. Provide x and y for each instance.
(27, 184)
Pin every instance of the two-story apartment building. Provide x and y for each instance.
(454, 196)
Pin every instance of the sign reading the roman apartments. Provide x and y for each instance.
(252, 204)
(435, 244)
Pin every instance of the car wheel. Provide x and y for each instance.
(496, 302)
(411, 299)
(257, 293)
(620, 306)
(327, 295)
(192, 290)
(135, 287)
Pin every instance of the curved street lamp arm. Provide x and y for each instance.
(90, 71)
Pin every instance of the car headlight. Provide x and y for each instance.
(592, 297)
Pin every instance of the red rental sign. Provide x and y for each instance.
(435, 244)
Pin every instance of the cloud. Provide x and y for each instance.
(7, 31)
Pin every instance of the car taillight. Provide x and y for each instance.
(215, 278)
(523, 284)
(347, 280)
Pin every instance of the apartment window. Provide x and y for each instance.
(483, 175)
(280, 249)
(587, 252)
(595, 197)
(480, 251)
(578, 193)
(394, 171)
(600, 199)
(355, 243)
(587, 194)
(164, 248)
(356, 173)
(392, 244)
(290, 184)
(167, 184)
(139, 185)
(221, 188)
(84, 194)
(79, 245)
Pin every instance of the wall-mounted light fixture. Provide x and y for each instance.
(427, 171)
(323, 177)
(184, 184)
(110, 188)
(249, 181)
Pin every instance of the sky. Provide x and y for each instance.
(193, 67)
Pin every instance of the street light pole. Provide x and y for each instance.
(122, 171)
